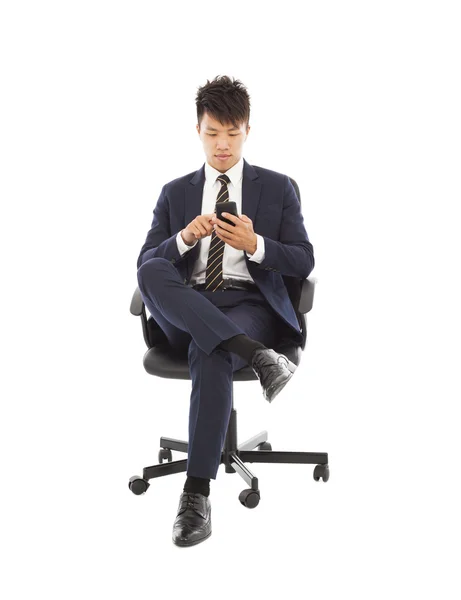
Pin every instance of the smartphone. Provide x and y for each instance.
(227, 207)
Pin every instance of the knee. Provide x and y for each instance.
(217, 355)
(153, 266)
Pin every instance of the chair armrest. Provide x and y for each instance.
(137, 303)
(138, 309)
(306, 299)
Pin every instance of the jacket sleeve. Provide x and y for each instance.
(159, 242)
(293, 255)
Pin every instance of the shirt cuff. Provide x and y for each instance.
(182, 246)
(259, 254)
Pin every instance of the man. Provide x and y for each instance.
(216, 290)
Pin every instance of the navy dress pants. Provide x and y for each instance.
(197, 322)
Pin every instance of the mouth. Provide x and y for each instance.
(222, 156)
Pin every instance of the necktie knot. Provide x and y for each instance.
(223, 178)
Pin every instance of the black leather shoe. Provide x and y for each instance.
(274, 371)
(193, 521)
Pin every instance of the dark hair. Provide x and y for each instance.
(225, 100)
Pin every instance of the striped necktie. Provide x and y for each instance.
(213, 277)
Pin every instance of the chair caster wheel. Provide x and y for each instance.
(265, 446)
(164, 453)
(249, 498)
(322, 471)
(138, 485)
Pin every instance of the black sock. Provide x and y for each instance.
(197, 485)
(242, 345)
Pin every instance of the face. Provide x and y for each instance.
(218, 140)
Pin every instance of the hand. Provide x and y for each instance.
(240, 236)
(199, 228)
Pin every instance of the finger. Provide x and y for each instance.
(198, 230)
(223, 224)
(222, 233)
(230, 217)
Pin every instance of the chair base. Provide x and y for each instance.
(234, 456)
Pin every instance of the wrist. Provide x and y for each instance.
(185, 240)
(252, 249)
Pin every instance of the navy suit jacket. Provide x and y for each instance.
(269, 200)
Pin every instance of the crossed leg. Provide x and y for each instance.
(197, 322)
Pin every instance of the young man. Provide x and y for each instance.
(216, 290)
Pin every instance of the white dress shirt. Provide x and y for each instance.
(234, 264)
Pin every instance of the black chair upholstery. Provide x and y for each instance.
(163, 361)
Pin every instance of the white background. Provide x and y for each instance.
(360, 103)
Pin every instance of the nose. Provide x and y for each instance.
(222, 145)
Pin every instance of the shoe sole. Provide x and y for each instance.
(194, 543)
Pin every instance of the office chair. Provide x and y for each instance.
(163, 361)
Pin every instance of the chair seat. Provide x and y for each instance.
(163, 361)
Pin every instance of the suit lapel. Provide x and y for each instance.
(193, 207)
(251, 191)
(194, 195)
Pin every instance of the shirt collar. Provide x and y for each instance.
(235, 173)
